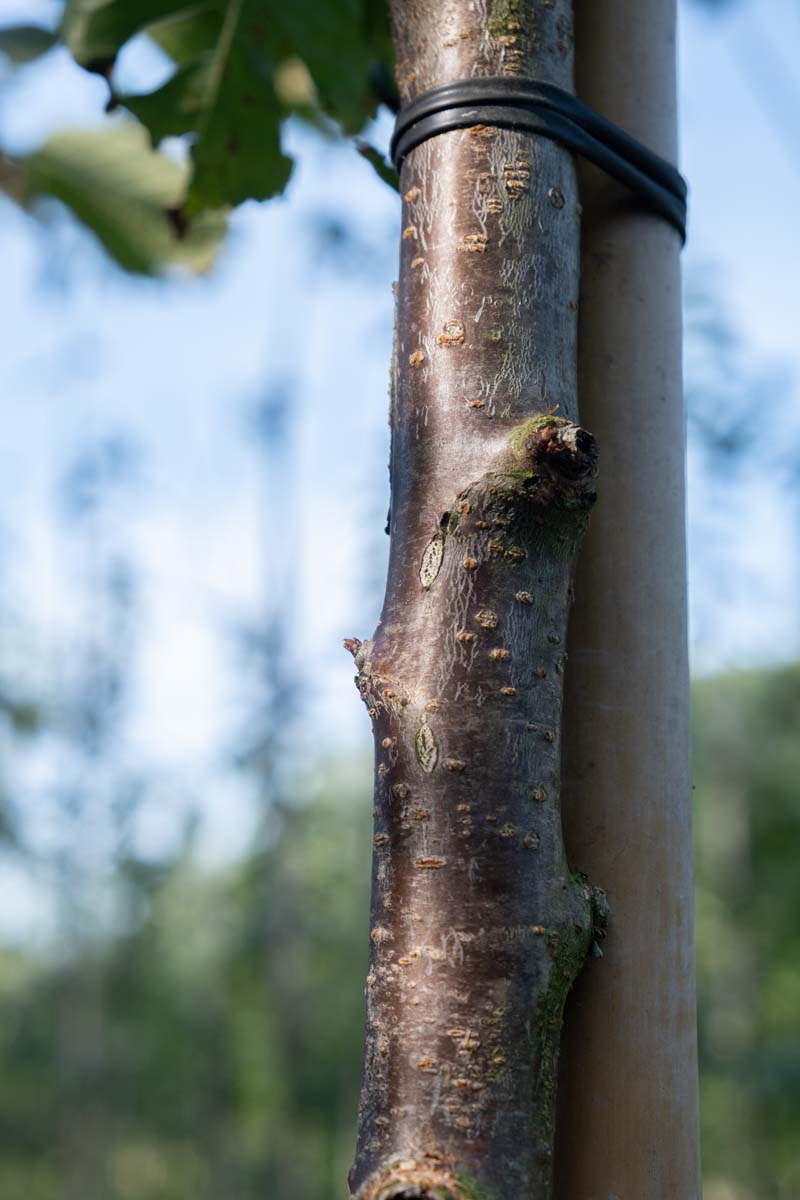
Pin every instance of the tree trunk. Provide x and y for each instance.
(628, 1105)
(478, 927)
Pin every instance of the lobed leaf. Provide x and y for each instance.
(125, 192)
(228, 56)
(241, 66)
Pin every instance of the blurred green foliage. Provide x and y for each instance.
(209, 1044)
(747, 771)
(239, 68)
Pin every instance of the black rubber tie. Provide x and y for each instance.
(549, 111)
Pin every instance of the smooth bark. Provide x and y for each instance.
(628, 1103)
(478, 927)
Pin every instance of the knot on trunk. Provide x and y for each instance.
(566, 449)
(540, 487)
(557, 446)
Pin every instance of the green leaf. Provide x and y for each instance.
(24, 43)
(230, 55)
(178, 106)
(126, 193)
(96, 30)
(226, 98)
(332, 39)
(190, 34)
(228, 101)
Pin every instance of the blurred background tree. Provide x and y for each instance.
(184, 815)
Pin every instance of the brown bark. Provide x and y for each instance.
(478, 927)
(628, 1104)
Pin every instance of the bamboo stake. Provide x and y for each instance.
(627, 1124)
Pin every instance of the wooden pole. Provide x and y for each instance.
(627, 1127)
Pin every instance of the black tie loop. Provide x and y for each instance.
(549, 111)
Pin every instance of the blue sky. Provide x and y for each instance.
(224, 534)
